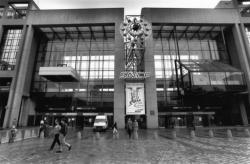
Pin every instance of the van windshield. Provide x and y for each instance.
(100, 120)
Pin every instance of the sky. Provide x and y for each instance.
(132, 7)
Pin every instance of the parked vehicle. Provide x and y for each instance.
(101, 123)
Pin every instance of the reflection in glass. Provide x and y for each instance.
(200, 78)
(234, 78)
(217, 78)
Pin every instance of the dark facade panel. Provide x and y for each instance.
(4, 74)
(212, 16)
(75, 16)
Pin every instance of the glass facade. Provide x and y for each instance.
(9, 48)
(90, 54)
(183, 43)
(17, 11)
(209, 73)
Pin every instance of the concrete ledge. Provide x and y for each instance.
(21, 134)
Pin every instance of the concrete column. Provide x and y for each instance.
(245, 41)
(243, 113)
(150, 85)
(21, 77)
(1, 33)
(27, 108)
(242, 54)
(119, 85)
(14, 80)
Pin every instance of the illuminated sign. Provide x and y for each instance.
(134, 75)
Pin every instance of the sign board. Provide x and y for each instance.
(135, 102)
(134, 75)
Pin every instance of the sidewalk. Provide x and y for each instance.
(153, 146)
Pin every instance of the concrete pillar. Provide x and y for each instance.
(243, 113)
(28, 108)
(242, 54)
(119, 84)
(21, 77)
(245, 41)
(150, 85)
(1, 33)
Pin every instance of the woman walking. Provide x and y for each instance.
(56, 137)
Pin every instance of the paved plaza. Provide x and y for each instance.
(153, 146)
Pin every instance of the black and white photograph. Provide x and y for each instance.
(124, 81)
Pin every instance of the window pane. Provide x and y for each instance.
(234, 78)
(200, 78)
(217, 78)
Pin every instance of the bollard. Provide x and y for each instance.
(229, 133)
(97, 135)
(79, 135)
(155, 135)
(135, 135)
(173, 134)
(247, 132)
(192, 134)
(42, 134)
(211, 133)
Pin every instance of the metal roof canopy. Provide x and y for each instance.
(87, 31)
(59, 74)
(207, 66)
(190, 31)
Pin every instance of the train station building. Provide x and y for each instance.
(166, 67)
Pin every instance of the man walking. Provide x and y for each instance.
(64, 131)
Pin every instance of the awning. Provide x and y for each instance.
(209, 76)
(59, 74)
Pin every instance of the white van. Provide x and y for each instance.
(101, 123)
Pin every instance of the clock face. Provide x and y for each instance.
(135, 27)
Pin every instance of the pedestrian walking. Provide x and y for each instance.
(129, 127)
(56, 137)
(115, 131)
(135, 129)
(42, 128)
(64, 131)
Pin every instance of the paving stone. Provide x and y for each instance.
(146, 150)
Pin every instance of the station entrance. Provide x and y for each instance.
(186, 119)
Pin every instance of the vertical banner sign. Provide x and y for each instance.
(135, 102)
